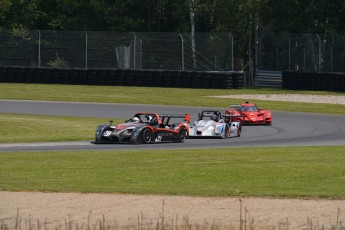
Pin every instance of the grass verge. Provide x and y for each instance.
(316, 172)
(162, 96)
(16, 128)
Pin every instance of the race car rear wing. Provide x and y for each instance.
(235, 107)
(186, 117)
(231, 116)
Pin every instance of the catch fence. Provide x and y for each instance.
(301, 52)
(120, 50)
(171, 51)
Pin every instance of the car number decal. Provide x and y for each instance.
(107, 133)
(159, 138)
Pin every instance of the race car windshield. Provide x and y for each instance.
(144, 118)
(249, 109)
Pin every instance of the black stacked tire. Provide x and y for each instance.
(39, 73)
(3, 75)
(64, 76)
(238, 80)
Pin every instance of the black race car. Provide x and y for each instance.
(145, 128)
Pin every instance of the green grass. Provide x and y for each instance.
(275, 172)
(16, 128)
(161, 96)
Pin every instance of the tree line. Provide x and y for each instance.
(300, 16)
(243, 18)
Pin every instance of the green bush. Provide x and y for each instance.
(58, 62)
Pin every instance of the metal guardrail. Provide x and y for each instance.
(268, 78)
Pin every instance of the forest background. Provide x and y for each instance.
(243, 18)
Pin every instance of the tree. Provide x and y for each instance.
(192, 11)
(4, 7)
(168, 16)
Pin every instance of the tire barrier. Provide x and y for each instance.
(297, 80)
(120, 77)
(268, 78)
(238, 80)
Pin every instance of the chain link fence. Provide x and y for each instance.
(303, 52)
(122, 50)
(169, 51)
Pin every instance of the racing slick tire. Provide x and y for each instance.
(181, 136)
(147, 136)
(226, 132)
(239, 130)
(101, 138)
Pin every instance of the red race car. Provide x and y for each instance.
(249, 114)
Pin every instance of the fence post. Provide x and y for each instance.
(332, 54)
(134, 50)
(182, 52)
(319, 59)
(289, 52)
(85, 65)
(232, 51)
(141, 53)
(331, 58)
(39, 49)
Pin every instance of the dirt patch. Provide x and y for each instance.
(57, 209)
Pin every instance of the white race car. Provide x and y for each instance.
(211, 123)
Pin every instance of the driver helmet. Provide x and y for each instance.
(214, 117)
(149, 118)
(135, 119)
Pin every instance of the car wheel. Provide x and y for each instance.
(147, 136)
(239, 130)
(182, 135)
(226, 132)
(105, 135)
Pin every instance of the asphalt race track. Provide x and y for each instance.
(288, 129)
